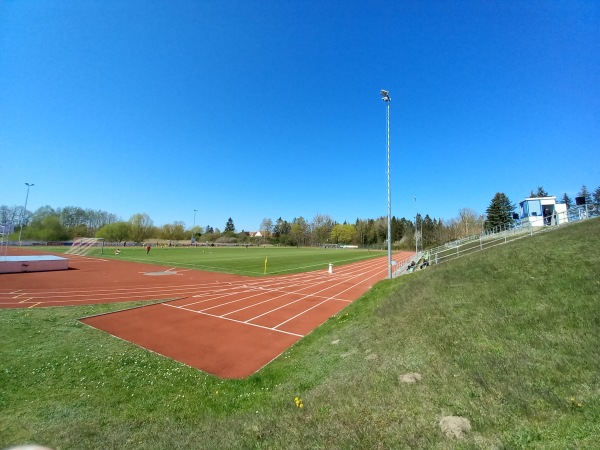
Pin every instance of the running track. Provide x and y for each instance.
(226, 325)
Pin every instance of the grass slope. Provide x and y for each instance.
(507, 338)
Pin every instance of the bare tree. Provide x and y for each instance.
(267, 226)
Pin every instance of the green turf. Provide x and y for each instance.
(239, 260)
(507, 338)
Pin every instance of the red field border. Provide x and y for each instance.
(226, 325)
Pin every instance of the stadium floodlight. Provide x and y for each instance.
(385, 96)
(417, 227)
(24, 210)
(193, 241)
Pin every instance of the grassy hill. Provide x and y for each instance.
(507, 338)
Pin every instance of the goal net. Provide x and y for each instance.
(82, 246)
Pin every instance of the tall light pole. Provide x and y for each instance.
(24, 210)
(385, 96)
(416, 228)
(193, 226)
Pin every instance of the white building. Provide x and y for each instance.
(541, 211)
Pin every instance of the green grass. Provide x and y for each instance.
(238, 260)
(507, 338)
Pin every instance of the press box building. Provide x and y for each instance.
(542, 211)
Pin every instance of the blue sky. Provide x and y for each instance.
(266, 109)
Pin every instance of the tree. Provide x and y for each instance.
(566, 200)
(381, 229)
(46, 228)
(321, 227)
(539, 193)
(499, 212)
(141, 226)
(8, 215)
(342, 234)
(428, 232)
(115, 232)
(298, 231)
(196, 232)
(360, 229)
(585, 194)
(596, 197)
(267, 226)
(229, 227)
(281, 231)
(468, 221)
(174, 231)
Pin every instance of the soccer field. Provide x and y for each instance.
(251, 261)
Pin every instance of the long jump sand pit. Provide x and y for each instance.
(226, 325)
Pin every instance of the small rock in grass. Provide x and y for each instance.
(455, 426)
(412, 377)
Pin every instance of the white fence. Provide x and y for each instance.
(496, 236)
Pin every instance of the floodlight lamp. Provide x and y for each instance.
(385, 95)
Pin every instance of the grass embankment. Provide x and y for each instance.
(507, 338)
(238, 260)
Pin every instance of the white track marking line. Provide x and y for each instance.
(307, 296)
(226, 303)
(232, 320)
(262, 289)
(140, 290)
(319, 304)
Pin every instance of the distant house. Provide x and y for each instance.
(255, 234)
(541, 211)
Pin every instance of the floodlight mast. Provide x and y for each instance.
(24, 210)
(385, 96)
(192, 242)
(416, 228)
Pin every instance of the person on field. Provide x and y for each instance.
(148, 247)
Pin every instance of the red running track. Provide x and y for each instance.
(226, 325)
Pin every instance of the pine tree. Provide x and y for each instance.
(586, 194)
(229, 226)
(596, 197)
(567, 200)
(500, 211)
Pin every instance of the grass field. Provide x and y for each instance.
(507, 338)
(239, 260)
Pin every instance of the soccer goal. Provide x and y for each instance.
(82, 246)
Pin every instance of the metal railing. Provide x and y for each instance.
(492, 237)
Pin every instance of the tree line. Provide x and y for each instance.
(63, 224)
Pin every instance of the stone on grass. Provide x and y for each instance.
(411, 377)
(455, 426)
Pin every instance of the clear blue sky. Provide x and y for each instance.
(265, 109)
